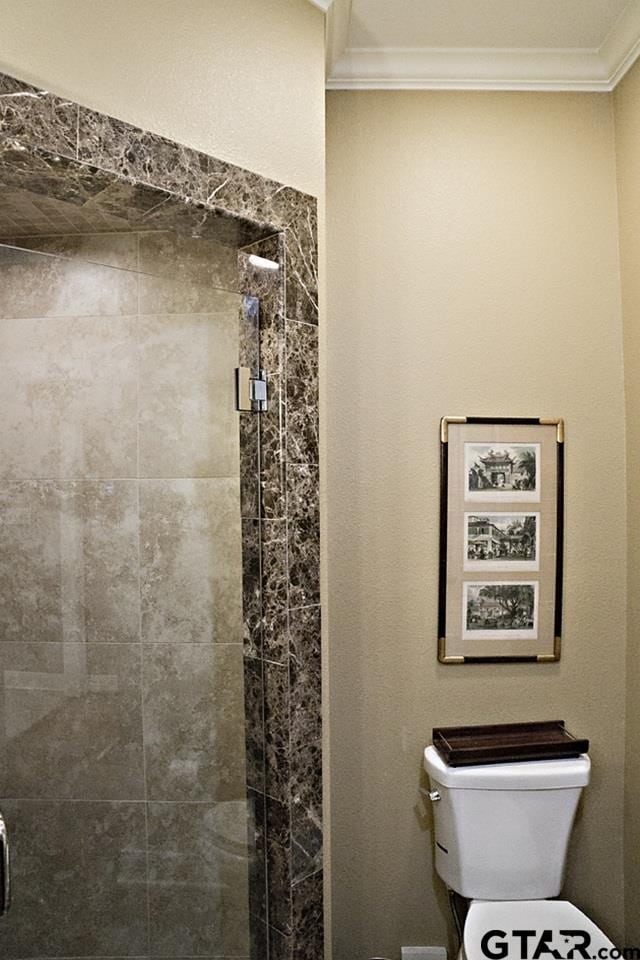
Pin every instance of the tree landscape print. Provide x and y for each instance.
(501, 609)
(502, 471)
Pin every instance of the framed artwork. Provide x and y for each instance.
(501, 539)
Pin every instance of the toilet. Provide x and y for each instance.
(501, 837)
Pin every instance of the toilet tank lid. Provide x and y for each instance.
(523, 775)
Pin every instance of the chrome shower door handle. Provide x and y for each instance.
(5, 864)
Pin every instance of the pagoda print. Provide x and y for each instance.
(504, 471)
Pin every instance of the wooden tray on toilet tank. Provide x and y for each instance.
(507, 743)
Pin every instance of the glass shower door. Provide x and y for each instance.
(122, 763)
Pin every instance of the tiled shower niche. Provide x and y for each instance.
(161, 687)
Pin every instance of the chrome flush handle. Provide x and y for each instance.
(433, 795)
(5, 864)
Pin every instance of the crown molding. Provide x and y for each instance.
(476, 68)
(468, 69)
(621, 47)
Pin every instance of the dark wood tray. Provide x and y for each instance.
(507, 743)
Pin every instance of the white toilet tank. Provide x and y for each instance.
(502, 830)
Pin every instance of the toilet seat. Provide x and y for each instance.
(545, 917)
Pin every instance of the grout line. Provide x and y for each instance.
(190, 803)
(262, 719)
(307, 876)
(126, 956)
(284, 441)
(77, 156)
(304, 323)
(154, 314)
(142, 648)
(214, 644)
(131, 479)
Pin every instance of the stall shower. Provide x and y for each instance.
(159, 598)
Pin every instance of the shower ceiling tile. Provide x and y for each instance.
(69, 561)
(196, 220)
(51, 177)
(72, 721)
(33, 214)
(194, 711)
(68, 389)
(191, 561)
(41, 194)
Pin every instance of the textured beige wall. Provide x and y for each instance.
(240, 79)
(627, 117)
(472, 269)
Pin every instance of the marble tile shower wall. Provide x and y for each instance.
(282, 649)
(122, 735)
(102, 173)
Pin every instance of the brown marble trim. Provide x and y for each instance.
(289, 654)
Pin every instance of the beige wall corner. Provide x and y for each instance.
(472, 268)
(627, 120)
(240, 79)
(338, 19)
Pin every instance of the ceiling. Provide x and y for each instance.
(480, 44)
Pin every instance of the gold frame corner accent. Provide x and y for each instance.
(556, 422)
(444, 426)
(442, 656)
(551, 657)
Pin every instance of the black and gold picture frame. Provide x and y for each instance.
(501, 539)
